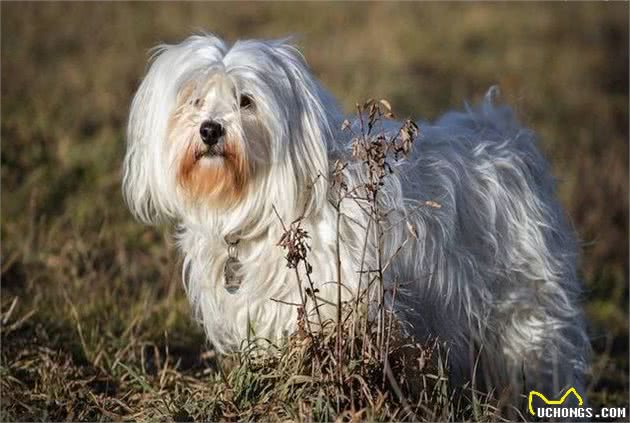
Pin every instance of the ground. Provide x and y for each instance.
(95, 324)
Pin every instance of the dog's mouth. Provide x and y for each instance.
(217, 150)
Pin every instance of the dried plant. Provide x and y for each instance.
(362, 356)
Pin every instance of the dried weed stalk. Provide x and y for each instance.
(361, 349)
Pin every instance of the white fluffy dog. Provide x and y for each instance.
(227, 141)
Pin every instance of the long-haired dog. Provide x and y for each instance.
(229, 141)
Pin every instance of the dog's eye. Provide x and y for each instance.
(246, 101)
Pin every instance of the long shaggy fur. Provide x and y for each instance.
(492, 271)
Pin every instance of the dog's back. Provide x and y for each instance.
(494, 264)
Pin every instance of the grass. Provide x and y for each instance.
(95, 325)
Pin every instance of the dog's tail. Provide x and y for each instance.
(487, 120)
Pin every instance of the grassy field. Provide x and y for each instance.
(95, 324)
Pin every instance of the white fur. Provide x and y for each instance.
(493, 267)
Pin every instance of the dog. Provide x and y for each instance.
(227, 142)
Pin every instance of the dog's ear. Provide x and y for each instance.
(146, 132)
(313, 127)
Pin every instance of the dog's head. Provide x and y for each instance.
(214, 127)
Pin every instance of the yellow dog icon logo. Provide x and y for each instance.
(553, 402)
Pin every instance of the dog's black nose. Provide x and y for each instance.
(210, 132)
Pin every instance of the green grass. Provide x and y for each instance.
(95, 322)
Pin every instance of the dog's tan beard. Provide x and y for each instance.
(222, 181)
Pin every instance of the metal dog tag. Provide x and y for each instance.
(232, 269)
(232, 272)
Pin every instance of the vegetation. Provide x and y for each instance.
(95, 324)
